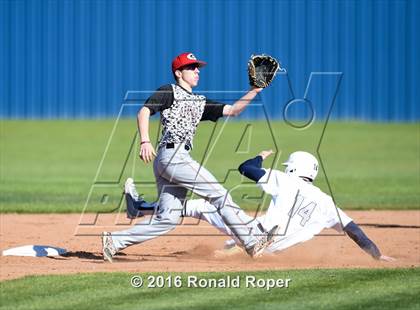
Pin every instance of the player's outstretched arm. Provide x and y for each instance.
(146, 148)
(240, 105)
(252, 168)
(357, 235)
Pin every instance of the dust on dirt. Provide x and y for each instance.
(191, 248)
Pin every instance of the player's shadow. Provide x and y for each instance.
(82, 255)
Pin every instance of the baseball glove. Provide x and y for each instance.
(262, 69)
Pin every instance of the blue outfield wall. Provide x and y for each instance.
(72, 59)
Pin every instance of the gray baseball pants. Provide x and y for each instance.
(176, 173)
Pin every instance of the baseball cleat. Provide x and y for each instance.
(133, 200)
(108, 248)
(130, 188)
(263, 242)
(136, 205)
(132, 210)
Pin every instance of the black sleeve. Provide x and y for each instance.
(358, 236)
(161, 99)
(252, 168)
(212, 110)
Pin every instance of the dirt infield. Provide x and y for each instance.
(179, 251)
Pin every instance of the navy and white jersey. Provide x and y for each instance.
(300, 209)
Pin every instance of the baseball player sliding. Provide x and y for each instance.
(299, 208)
(175, 171)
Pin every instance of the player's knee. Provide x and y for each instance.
(221, 201)
(165, 220)
(168, 216)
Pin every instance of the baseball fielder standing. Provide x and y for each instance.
(175, 171)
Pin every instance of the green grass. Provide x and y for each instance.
(50, 166)
(308, 289)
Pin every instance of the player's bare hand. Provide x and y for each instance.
(147, 152)
(265, 154)
(256, 89)
(387, 258)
